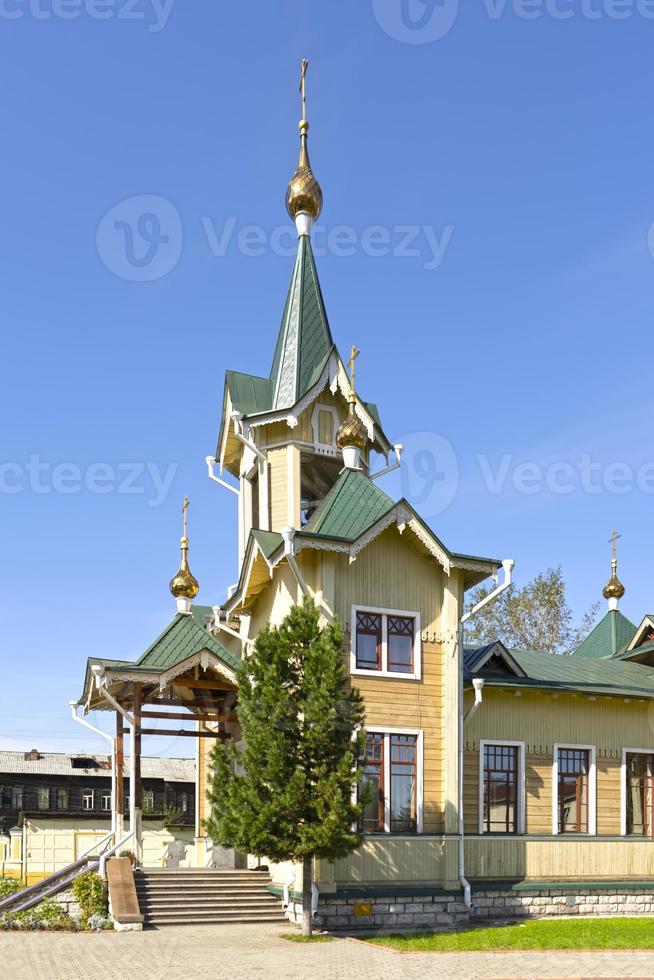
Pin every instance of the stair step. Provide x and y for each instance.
(195, 920)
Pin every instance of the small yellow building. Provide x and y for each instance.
(503, 780)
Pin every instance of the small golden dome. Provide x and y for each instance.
(614, 589)
(304, 193)
(352, 432)
(184, 585)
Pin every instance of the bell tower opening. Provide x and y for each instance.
(318, 474)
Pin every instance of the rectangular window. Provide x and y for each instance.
(148, 801)
(182, 802)
(500, 780)
(106, 799)
(88, 799)
(404, 810)
(386, 641)
(640, 794)
(392, 773)
(369, 641)
(42, 798)
(372, 819)
(63, 798)
(573, 791)
(17, 798)
(400, 643)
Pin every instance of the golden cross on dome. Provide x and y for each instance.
(354, 353)
(615, 537)
(303, 88)
(185, 507)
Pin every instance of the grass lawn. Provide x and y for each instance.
(548, 934)
(297, 937)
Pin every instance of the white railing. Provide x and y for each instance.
(102, 869)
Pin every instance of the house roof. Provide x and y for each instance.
(611, 635)
(595, 675)
(61, 764)
(183, 638)
(304, 342)
(268, 541)
(352, 505)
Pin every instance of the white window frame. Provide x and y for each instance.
(325, 447)
(387, 731)
(592, 789)
(88, 794)
(105, 798)
(623, 789)
(17, 797)
(385, 672)
(47, 797)
(521, 795)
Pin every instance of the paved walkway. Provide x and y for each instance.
(233, 952)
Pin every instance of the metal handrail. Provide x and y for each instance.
(102, 867)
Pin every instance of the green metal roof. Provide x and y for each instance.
(352, 505)
(268, 541)
(611, 634)
(183, 638)
(305, 341)
(607, 676)
(248, 393)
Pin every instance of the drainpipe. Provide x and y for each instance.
(110, 738)
(508, 565)
(398, 449)
(98, 672)
(211, 462)
(237, 418)
(288, 534)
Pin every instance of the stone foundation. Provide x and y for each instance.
(439, 911)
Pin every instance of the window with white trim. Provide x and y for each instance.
(43, 798)
(501, 788)
(393, 776)
(574, 790)
(105, 800)
(88, 799)
(385, 642)
(639, 772)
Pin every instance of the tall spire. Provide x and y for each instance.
(184, 587)
(614, 589)
(304, 195)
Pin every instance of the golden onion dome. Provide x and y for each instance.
(184, 585)
(304, 194)
(614, 589)
(352, 432)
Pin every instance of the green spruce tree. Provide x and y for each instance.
(287, 793)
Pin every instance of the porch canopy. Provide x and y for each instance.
(186, 675)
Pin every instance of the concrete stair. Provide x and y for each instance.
(186, 896)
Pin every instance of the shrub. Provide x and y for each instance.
(90, 894)
(47, 915)
(99, 922)
(9, 885)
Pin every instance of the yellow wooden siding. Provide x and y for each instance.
(390, 574)
(609, 795)
(395, 860)
(541, 720)
(471, 792)
(559, 858)
(279, 481)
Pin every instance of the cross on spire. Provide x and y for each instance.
(613, 540)
(185, 507)
(303, 88)
(354, 353)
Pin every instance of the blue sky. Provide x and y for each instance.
(506, 147)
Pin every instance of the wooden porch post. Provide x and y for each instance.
(119, 797)
(136, 789)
